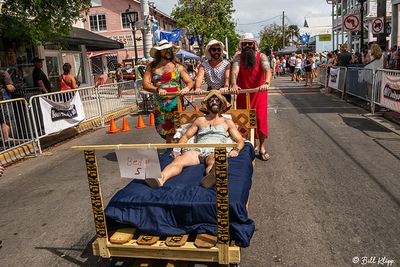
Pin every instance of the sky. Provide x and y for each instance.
(252, 15)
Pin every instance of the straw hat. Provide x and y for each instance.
(163, 44)
(225, 105)
(211, 43)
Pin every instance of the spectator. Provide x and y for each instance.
(7, 85)
(376, 59)
(39, 77)
(66, 80)
(118, 73)
(344, 57)
(308, 68)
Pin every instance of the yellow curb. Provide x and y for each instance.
(16, 154)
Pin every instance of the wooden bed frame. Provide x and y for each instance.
(224, 252)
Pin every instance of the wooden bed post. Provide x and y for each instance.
(221, 173)
(97, 203)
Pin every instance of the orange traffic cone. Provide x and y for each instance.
(125, 126)
(151, 119)
(196, 108)
(140, 123)
(113, 127)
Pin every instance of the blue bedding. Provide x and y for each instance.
(182, 206)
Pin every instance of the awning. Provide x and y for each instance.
(92, 41)
(185, 54)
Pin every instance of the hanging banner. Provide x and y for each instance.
(59, 116)
(390, 92)
(138, 163)
(334, 78)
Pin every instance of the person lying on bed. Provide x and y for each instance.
(213, 128)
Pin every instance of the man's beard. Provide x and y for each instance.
(249, 57)
(216, 56)
(214, 109)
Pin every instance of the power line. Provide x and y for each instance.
(261, 21)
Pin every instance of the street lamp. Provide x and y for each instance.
(132, 17)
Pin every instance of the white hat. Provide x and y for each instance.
(247, 37)
(211, 43)
(163, 44)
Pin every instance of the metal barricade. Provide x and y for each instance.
(89, 98)
(359, 82)
(116, 96)
(377, 87)
(16, 125)
(322, 75)
(340, 84)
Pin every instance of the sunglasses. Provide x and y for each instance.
(247, 44)
(168, 50)
(215, 49)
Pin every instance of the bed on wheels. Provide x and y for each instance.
(180, 221)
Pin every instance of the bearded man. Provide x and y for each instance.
(250, 70)
(215, 70)
(213, 128)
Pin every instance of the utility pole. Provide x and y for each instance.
(146, 31)
(283, 29)
(381, 13)
(361, 24)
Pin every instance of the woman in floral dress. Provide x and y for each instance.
(162, 76)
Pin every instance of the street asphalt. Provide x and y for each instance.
(329, 196)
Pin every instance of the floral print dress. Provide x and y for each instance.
(165, 106)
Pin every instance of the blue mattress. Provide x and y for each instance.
(182, 206)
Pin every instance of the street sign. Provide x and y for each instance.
(377, 26)
(351, 22)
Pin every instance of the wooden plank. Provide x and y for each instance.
(147, 240)
(223, 255)
(176, 241)
(205, 241)
(171, 145)
(123, 235)
(188, 252)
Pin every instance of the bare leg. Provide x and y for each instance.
(188, 158)
(5, 129)
(210, 160)
(263, 153)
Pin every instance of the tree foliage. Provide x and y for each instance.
(207, 19)
(271, 36)
(36, 21)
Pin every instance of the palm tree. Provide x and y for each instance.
(293, 32)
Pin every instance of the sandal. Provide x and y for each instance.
(264, 156)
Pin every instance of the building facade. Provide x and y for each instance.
(108, 18)
(342, 8)
(320, 31)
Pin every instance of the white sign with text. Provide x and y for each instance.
(138, 163)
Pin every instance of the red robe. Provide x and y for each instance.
(249, 79)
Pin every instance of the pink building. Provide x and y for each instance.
(108, 18)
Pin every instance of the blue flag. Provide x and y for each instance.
(305, 38)
(173, 36)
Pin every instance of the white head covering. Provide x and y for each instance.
(163, 44)
(247, 37)
(211, 43)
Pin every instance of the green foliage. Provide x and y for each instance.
(37, 21)
(271, 36)
(208, 19)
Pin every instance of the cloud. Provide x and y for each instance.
(249, 12)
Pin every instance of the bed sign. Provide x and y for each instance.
(138, 163)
